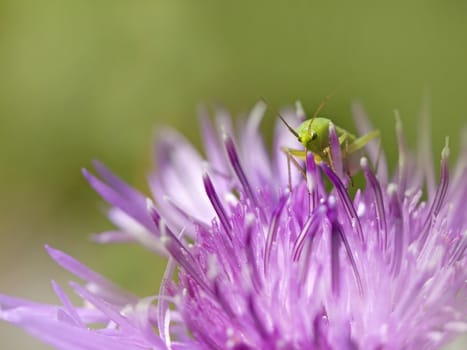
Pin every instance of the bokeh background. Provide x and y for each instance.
(94, 79)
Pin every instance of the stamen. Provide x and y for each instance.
(154, 214)
(380, 214)
(179, 252)
(111, 291)
(108, 309)
(313, 181)
(163, 311)
(335, 268)
(344, 196)
(272, 232)
(70, 310)
(218, 207)
(237, 167)
(459, 249)
(336, 154)
(199, 330)
(259, 324)
(117, 183)
(222, 300)
(210, 140)
(439, 196)
(320, 324)
(250, 256)
(112, 196)
(227, 254)
(337, 233)
(376, 155)
(309, 228)
(180, 210)
(398, 233)
(424, 148)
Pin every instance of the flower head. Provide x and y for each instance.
(262, 257)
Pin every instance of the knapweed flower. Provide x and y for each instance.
(262, 255)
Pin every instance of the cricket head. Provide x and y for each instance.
(313, 134)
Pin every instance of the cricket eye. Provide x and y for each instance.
(314, 136)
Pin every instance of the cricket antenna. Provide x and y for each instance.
(320, 107)
(292, 130)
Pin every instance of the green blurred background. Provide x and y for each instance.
(93, 79)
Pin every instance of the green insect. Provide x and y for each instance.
(313, 134)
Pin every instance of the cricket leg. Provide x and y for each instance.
(343, 139)
(362, 141)
(291, 154)
(327, 154)
(298, 153)
(301, 154)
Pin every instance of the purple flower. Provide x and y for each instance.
(260, 257)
